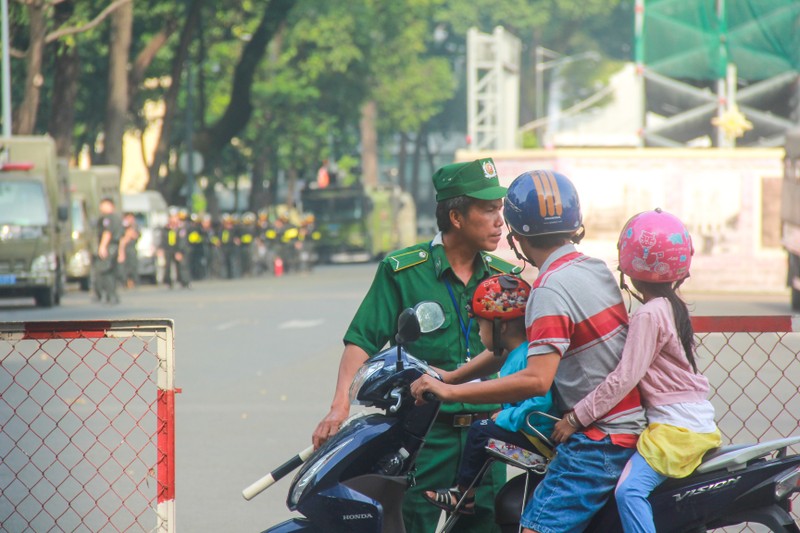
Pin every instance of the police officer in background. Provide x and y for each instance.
(447, 269)
(176, 250)
(247, 236)
(110, 231)
(198, 258)
(128, 256)
(229, 244)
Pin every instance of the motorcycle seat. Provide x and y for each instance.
(736, 456)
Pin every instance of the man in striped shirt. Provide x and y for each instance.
(577, 324)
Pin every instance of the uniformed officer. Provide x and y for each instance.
(198, 259)
(211, 246)
(177, 251)
(110, 232)
(446, 269)
(128, 256)
(247, 236)
(229, 244)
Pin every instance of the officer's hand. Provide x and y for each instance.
(329, 426)
(102, 252)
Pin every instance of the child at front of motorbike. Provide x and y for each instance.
(499, 307)
(655, 251)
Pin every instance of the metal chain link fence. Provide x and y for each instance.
(753, 366)
(87, 426)
(87, 414)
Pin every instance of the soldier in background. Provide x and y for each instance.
(128, 256)
(229, 244)
(198, 259)
(247, 235)
(110, 231)
(212, 246)
(176, 250)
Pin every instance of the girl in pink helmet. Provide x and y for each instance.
(655, 252)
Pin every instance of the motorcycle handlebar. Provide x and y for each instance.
(267, 481)
(428, 396)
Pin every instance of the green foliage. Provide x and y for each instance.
(329, 58)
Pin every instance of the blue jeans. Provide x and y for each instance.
(578, 482)
(636, 483)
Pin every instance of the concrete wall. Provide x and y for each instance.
(729, 199)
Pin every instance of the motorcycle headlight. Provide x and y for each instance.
(364, 373)
(44, 263)
(301, 483)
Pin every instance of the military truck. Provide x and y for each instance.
(88, 187)
(35, 222)
(360, 223)
(790, 213)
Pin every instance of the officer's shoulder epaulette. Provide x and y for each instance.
(500, 265)
(407, 258)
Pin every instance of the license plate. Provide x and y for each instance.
(8, 279)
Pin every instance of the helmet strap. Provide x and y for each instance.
(624, 286)
(578, 236)
(513, 245)
(497, 341)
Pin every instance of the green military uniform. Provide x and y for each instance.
(405, 278)
(422, 272)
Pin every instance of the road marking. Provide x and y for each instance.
(227, 325)
(301, 324)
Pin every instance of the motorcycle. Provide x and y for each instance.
(356, 481)
(734, 485)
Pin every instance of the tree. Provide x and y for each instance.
(40, 14)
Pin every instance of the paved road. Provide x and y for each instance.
(257, 362)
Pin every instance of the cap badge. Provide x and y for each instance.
(488, 170)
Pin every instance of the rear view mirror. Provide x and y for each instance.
(408, 328)
(430, 316)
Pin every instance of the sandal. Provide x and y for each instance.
(447, 500)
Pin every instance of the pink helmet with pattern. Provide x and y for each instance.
(655, 246)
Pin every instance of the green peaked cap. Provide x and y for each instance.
(476, 179)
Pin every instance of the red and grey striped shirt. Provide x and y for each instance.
(576, 310)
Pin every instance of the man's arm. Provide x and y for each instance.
(482, 365)
(102, 248)
(352, 359)
(534, 380)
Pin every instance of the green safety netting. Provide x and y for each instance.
(695, 39)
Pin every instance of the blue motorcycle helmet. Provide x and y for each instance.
(542, 202)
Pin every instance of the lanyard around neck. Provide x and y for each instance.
(465, 329)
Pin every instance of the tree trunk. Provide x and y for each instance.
(258, 194)
(62, 116)
(171, 96)
(147, 55)
(212, 140)
(291, 183)
(402, 161)
(26, 115)
(117, 105)
(369, 143)
(414, 185)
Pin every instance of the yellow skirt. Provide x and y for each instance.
(674, 451)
